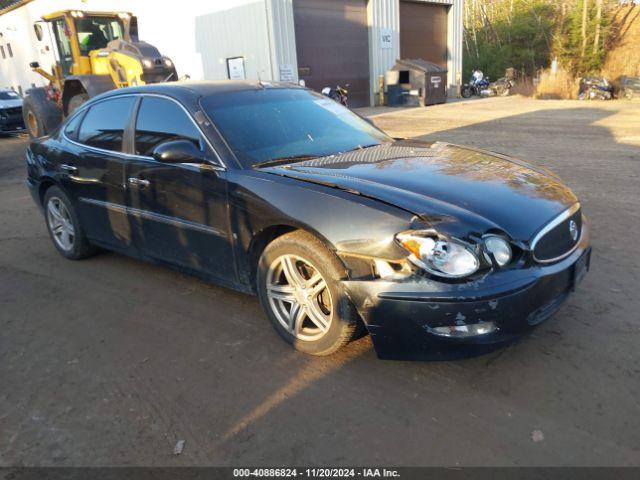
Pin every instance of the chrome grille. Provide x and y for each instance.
(559, 237)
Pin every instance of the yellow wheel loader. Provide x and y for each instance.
(94, 52)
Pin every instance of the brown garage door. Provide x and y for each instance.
(332, 44)
(423, 31)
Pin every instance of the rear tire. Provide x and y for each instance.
(64, 227)
(41, 115)
(312, 313)
(466, 92)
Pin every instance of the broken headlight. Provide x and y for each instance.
(444, 257)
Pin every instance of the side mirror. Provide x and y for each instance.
(178, 151)
(34, 65)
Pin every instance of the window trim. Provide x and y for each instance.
(131, 124)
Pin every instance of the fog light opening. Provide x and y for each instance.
(392, 270)
(464, 331)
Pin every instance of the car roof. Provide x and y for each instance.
(202, 88)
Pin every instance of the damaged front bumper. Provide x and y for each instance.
(410, 319)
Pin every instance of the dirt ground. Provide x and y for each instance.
(111, 361)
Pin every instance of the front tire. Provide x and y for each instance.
(298, 286)
(466, 92)
(64, 227)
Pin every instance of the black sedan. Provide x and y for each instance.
(275, 190)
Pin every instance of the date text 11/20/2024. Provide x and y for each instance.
(315, 472)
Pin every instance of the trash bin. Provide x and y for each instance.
(416, 83)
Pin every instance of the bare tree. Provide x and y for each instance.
(487, 22)
(596, 38)
(583, 32)
(473, 26)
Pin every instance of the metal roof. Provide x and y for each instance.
(8, 5)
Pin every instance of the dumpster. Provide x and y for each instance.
(416, 83)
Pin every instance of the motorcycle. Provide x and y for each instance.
(339, 94)
(474, 88)
(595, 88)
(501, 87)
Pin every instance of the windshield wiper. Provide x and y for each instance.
(283, 160)
(299, 158)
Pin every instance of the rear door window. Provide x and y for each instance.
(161, 120)
(104, 124)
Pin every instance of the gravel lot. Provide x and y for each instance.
(111, 361)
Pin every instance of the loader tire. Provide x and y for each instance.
(41, 115)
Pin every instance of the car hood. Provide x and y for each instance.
(442, 183)
(11, 103)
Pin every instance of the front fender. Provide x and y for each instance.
(347, 223)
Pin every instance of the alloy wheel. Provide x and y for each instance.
(60, 224)
(299, 297)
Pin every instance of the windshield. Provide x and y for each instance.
(273, 123)
(9, 96)
(96, 32)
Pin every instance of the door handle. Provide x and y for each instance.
(68, 168)
(139, 182)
